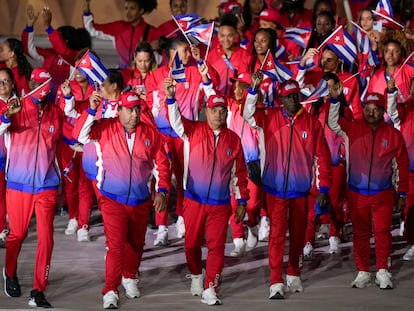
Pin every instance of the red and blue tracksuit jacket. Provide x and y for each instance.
(377, 159)
(31, 138)
(73, 106)
(125, 176)
(124, 36)
(293, 151)
(56, 60)
(213, 162)
(227, 68)
(190, 96)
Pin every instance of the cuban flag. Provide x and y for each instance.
(186, 21)
(320, 91)
(40, 93)
(92, 69)
(275, 70)
(298, 35)
(370, 57)
(280, 50)
(178, 69)
(202, 32)
(342, 43)
(385, 5)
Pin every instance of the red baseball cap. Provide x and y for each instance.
(129, 100)
(40, 75)
(375, 98)
(244, 77)
(289, 87)
(217, 100)
(270, 15)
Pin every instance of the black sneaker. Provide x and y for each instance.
(38, 299)
(11, 285)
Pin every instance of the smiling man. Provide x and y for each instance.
(131, 157)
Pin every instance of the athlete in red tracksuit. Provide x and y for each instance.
(190, 96)
(125, 34)
(250, 144)
(403, 118)
(378, 169)
(213, 167)
(227, 57)
(33, 130)
(58, 59)
(7, 89)
(295, 154)
(131, 156)
(73, 97)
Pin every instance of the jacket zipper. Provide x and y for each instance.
(130, 169)
(289, 154)
(370, 163)
(214, 164)
(39, 119)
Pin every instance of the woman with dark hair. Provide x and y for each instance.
(251, 12)
(227, 57)
(12, 56)
(170, 28)
(143, 64)
(395, 47)
(7, 94)
(125, 34)
(264, 40)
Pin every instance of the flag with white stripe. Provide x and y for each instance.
(343, 45)
(275, 70)
(298, 35)
(92, 69)
(386, 6)
(201, 32)
(178, 69)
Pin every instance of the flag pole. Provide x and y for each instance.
(182, 30)
(330, 36)
(264, 60)
(403, 64)
(209, 41)
(387, 18)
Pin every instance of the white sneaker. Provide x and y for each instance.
(308, 251)
(3, 237)
(110, 300)
(334, 245)
(409, 255)
(209, 297)
(239, 247)
(252, 237)
(83, 234)
(131, 287)
(294, 284)
(277, 291)
(162, 237)
(180, 227)
(362, 280)
(264, 229)
(383, 279)
(72, 226)
(197, 284)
